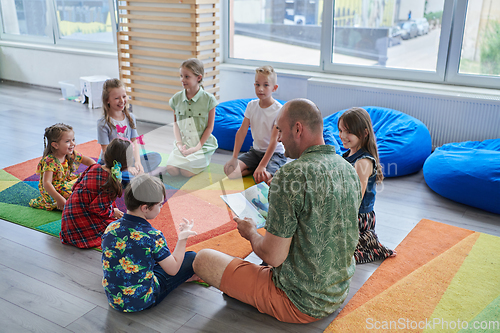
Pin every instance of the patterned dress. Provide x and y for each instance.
(62, 179)
(88, 211)
(369, 247)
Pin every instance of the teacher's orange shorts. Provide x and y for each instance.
(252, 284)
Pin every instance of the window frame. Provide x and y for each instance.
(226, 33)
(453, 75)
(54, 39)
(447, 65)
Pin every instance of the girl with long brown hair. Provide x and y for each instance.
(356, 133)
(118, 121)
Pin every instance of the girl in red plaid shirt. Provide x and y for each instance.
(91, 206)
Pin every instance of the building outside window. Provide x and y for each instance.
(65, 22)
(400, 39)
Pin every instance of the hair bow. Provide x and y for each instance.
(140, 139)
(116, 171)
(121, 129)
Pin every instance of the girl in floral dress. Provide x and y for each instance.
(56, 168)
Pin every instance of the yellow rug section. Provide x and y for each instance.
(7, 180)
(463, 299)
(6, 184)
(411, 300)
(212, 193)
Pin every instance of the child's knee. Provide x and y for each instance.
(173, 171)
(234, 174)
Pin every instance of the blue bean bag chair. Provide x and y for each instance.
(467, 172)
(403, 142)
(329, 138)
(228, 118)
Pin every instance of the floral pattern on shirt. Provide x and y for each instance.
(130, 249)
(62, 179)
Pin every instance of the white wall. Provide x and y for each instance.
(471, 32)
(248, 11)
(438, 5)
(46, 68)
(416, 7)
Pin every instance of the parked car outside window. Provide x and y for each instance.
(422, 26)
(395, 36)
(408, 29)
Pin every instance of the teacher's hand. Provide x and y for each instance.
(246, 227)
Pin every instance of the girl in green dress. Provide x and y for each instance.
(194, 116)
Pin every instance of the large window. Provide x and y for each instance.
(25, 18)
(83, 23)
(400, 39)
(279, 31)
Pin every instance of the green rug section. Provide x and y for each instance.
(52, 228)
(211, 175)
(164, 158)
(19, 194)
(482, 322)
(174, 182)
(27, 216)
(5, 176)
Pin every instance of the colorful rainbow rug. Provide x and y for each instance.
(444, 279)
(197, 198)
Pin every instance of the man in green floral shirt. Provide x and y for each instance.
(311, 230)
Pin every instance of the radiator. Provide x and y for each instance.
(449, 117)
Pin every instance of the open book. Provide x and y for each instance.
(251, 203)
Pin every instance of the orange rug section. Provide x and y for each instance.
(428, 239)
(231, 240)
(23, 170)
(444, 279)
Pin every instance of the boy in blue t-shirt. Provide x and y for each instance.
(139, 269)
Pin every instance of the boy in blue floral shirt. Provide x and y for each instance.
(139, 269)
